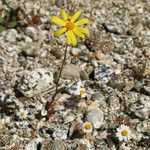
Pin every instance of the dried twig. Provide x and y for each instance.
(50, 104)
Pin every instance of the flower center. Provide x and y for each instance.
(82, 92)
(70, 25)
(22, 114)
(124, 132)
(88, 126)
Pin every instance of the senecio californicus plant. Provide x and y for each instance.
(72, 28)
(70, 25)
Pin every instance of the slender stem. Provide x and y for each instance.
(49, 104)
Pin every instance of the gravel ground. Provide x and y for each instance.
(111, 67)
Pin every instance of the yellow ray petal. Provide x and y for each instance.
(73, 38)
(64, 14)
(57, 20)
(83, 30)
(81, 22)
(75, 16)
(68, 38)
(78, 33)
(60, 32)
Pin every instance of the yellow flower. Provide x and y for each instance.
(71, 26)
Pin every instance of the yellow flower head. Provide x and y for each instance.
(71, 26)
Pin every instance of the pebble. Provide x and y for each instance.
(30, 49)
(12, 35)
(97, 96)
(71, 71)
(75, 51)
(69, 119)
(128, 86)
(60, 134)
(32, 145)
(36, 81)
(96, 117)
(58, 53)
(84, 144)
(104, 73)
(12, 4)
(32, 33)
(101, 145)
(123, 147)
(141, 108)
(53, 145)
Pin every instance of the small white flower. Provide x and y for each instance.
(87, 127)
(81, 92)
(78, 90)
(123, 133)
(22, 114)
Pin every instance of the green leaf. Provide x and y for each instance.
(7, 16)
(2, 29)
(12, 24)
(1, 20)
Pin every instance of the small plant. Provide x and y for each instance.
(140, 70)
(10, 20)
(72, 28)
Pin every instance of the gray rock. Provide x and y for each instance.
(53, 145)
(58, 53)
(101, 145)
(104, 73)
(75, 51)
(84, 75)
(71, 71)
(141, 108)
(30, 49)
(32, 32)
(97, 96)
(83, 144)
(95, 116)
(35, 82)
(60, 134)
(123, 147)
(32, 145)
(12, 4)
(12, 35)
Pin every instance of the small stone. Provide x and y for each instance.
(95, 116)
(12, 35)
(12, 4)
(105, 72)
(30, 50)
(60, 134)
(32, 32)
(84, 75)
(53, 145)
(141, 109)
(97, 96)
(28, 39)
(32, 145)
(123, 147)
(35, 82)
(101, 145)
(84, 144)
(89, 69)
(71, 71)
(75, 51)
(128, 86)
(99, 55)
(69, 119)
(58, 53)
(147, 52)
